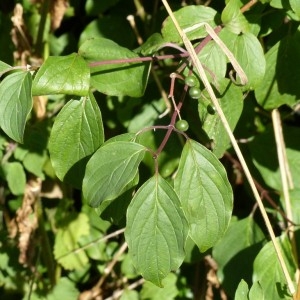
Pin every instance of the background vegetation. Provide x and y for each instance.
(89, 147)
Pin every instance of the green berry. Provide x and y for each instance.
(190, 80)
(182, 125)
(194, 92)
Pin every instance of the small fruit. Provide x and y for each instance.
(190, 80)
(182, 125)
(194, 92)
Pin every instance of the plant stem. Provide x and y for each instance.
(235, 145)
(136, 59)
(39, 44)
(284, 171)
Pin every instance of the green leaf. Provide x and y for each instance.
(231, 101)
(15, 104)
(233, 18)
(264, 154)
(119, 79)
(130, 295)
(214, 60)
(156, 230)
(242, 291)
(281, 83)
(34, 163)
(256, 292)
(76, 134)
(15, 176)
(187, 17)
(93, 7)
(153, 292)
(241, 242)
(205, 194)
(66, 242)
(62, 75)
(115, 210)
(295, 5)
(110, 170)
(4, 67)
(152, 44)
(64, 289)
(114, 27)
(247, 49)
(268, 272)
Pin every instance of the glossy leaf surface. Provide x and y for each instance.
(62, 75)
(15, 104)
(118, 79)
(110, 170)
(205, 194)
(268, 272)
(156, 230)
(76, 134)
(247, 49)
(187, 17)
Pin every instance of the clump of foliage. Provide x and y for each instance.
(120, 175)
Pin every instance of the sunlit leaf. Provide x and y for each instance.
(116, 79)
(156, 230)
(64, 289)
(15, 104)
(66, 242)
(76, 134)
(16, 178)
(231, 101)
(153, 292)
(187, 17)
(248, 51)
(242, 291)
(267, 269)
(256, 292)
(205, 194)
(62, 75)
(110, 170)
(4, 66)
(233, 18)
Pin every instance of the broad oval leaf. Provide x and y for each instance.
(62, 75)
(233, 18)
(205, 194)
(118, 79)
(266, 263)
(76, 134)
(187, 17)
(156, 230)
(248, 51)
(111, 168)
(15, 104)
